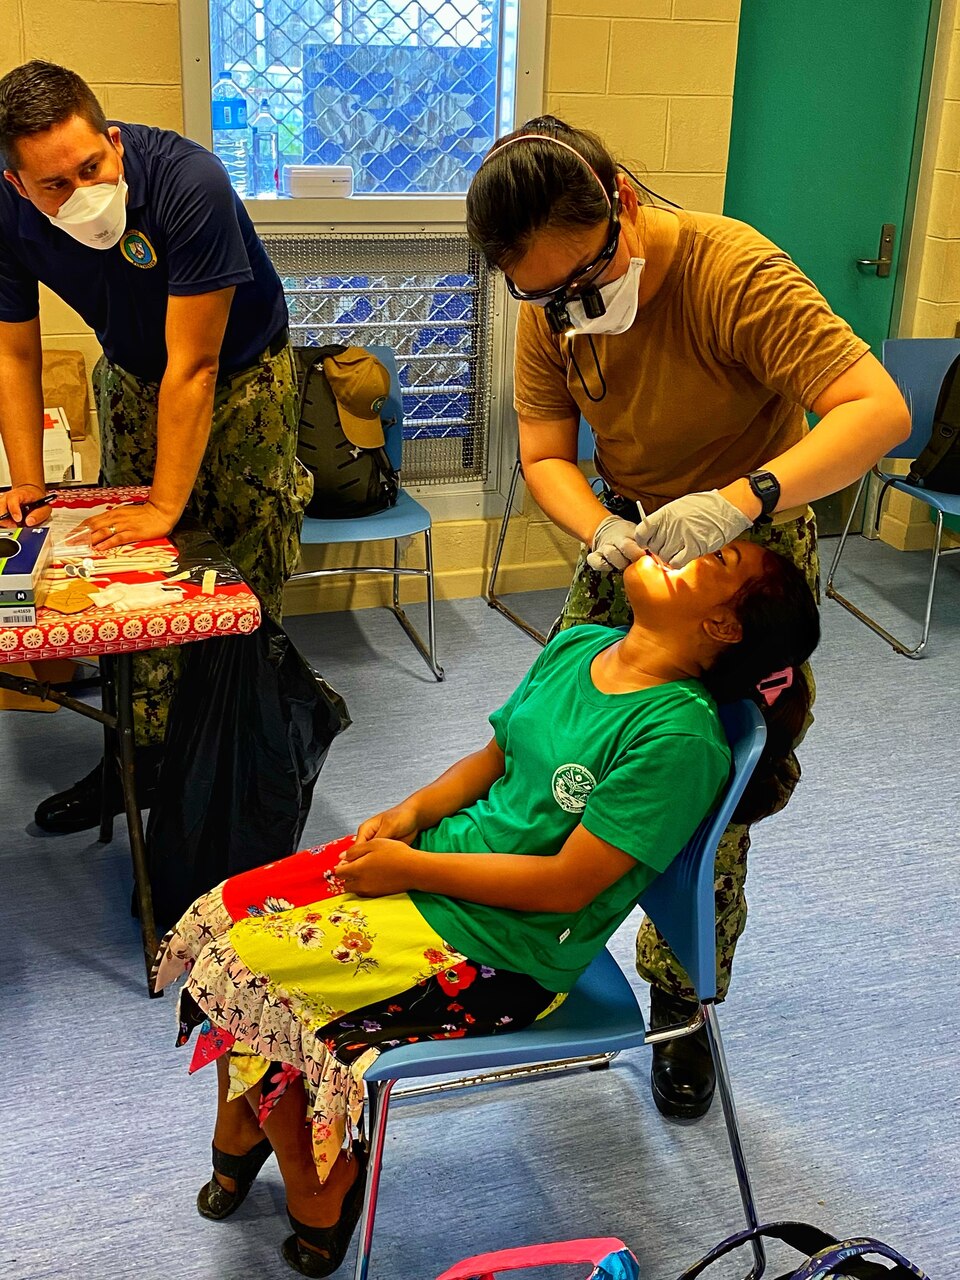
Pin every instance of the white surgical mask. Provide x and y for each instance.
(96, 216)
(621, 300)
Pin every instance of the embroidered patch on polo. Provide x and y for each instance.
(138, 250)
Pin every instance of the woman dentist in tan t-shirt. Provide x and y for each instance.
(693, 346)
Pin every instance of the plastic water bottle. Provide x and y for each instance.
(231, 131)
(266, 152)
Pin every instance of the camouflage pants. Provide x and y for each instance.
(250, 491)
(597, 599)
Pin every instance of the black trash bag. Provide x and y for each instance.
(249, 728)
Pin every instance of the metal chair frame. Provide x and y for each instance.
(407, 518)
(584, 454)
(601, 1014)
(937, 355)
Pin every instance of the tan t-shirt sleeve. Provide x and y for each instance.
(539, 373)
(783, 330)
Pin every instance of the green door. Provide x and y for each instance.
(826, 108)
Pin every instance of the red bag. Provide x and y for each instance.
(611, 1260)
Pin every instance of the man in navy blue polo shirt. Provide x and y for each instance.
(139, 230)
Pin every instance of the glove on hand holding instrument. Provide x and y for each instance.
(614, 545)
(691, 526)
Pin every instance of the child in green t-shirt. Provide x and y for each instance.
(469, 906)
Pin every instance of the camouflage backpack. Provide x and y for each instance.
(340, 433)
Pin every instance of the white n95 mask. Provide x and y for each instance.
(96, 215)
(621, 301)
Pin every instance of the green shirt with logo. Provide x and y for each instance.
(639, 770)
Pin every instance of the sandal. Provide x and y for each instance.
(335, 1240)
(214, 1200)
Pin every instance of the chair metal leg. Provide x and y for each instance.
(429, 655)
(493, 600)
(431, 618)
(557, 1066)
(900, 646)
(379, 1095)
(108, 702)
(712, 1027)
(508, 512)
(427, 652)
(846, 533)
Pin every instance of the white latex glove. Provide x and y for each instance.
(135, 595)
(691, 526)
(614, 545)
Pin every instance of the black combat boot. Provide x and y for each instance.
(78, 808)
(682, 1076)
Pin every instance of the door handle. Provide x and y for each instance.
(884, 259)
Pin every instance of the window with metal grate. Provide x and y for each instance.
(426, 296)
(408, 94)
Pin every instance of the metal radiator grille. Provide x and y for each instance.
(426, 296)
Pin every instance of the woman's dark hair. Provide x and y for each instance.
(781, 628)
(37, 96)
(523, 186)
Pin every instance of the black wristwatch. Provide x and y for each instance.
(767, 488)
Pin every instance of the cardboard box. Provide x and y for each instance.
(65, 384)
(57, 449)
(23, 555)
(57, 446)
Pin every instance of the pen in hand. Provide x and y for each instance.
(27, 507)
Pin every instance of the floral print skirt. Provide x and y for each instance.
(292, 977)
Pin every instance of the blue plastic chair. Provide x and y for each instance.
(917, 365)
(600, 1017)
(403, 520)
(585, 447)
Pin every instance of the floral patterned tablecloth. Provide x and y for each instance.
(232, 609)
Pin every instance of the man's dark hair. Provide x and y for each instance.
(37, 96)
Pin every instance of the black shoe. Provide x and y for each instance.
(214, 1200)
(79, 807)
(682, 1076)
(335, 1240)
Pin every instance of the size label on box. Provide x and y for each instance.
(25, 617)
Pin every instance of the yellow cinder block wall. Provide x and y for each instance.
(653, 77)
(933, 308)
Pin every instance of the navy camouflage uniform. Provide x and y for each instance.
(250, 492)
(600, 599)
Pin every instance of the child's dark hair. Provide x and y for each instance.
(781, 628)
(525, 186)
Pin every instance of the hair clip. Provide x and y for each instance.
(771, 687)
